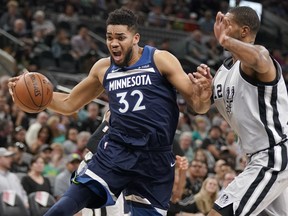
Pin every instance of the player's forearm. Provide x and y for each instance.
(201, 102)
(201, 107)
(61, 105)
(249, 54)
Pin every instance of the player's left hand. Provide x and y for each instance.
(202, 80)
(222, 27)
(182, 162)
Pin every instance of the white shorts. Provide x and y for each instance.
(260, 185)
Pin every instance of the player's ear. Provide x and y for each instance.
(136, 39)
(245, 31)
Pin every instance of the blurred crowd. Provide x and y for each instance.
(55, 35)
(42, 150)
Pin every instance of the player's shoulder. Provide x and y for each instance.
(101, 66)
(103, 62)
(164, 58)
(160, 52)
(262, 49)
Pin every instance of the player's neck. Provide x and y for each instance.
(137, 53)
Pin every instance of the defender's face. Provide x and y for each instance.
(120, 42)
(236, 30)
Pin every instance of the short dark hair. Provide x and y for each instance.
(246, 16)
(123, 16)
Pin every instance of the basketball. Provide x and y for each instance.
(33, 92)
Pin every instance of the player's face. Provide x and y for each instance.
(236, 30)
(120, 42)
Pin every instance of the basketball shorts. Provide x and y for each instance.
(145, 177)
(260, 186)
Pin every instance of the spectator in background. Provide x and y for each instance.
(44, 136)
(221, 168)
(82, 139)
(41, 24)
(6, 130)
(231, 141)
(184, 122)
(21, 158)
(228, 178)
(49, 170)
(61, 44)
(206, 23)
(156, 18)
(20, 31)
(194, 179)
(69, 144)
(93, 119)
(195, 46)
(82, 43)
(181, 10)
(58, 133)
(192, 24)
(206, 157)
(34, 180)
(215, 52)
(8, 18)
(62, 180)
(214, 142)
(19, 135)
(27, 15)
(224, 126)
(203, 201)
(185, 143)
(19, 118)
(58, 157)
(4, 107)
(165, 45)
(197, 194)
(200, 129)
(69, 18)
(43, 30)
(4, 87)
(9, 180)
(32, 132)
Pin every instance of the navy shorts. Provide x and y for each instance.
(146, 177)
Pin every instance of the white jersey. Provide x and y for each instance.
(257, 112)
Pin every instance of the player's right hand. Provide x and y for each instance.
(11, 84)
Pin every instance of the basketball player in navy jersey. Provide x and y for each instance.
(135, 156)
(250, 93)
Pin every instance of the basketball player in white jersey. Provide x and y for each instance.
(250, 93)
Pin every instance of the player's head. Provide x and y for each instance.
(246, 22)
(122, 35)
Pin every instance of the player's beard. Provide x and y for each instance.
(127, 58)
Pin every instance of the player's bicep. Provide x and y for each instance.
(89, 88)
(171, 68)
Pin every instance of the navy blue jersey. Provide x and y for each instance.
(144, 112)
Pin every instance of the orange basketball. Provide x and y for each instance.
(33, 92)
